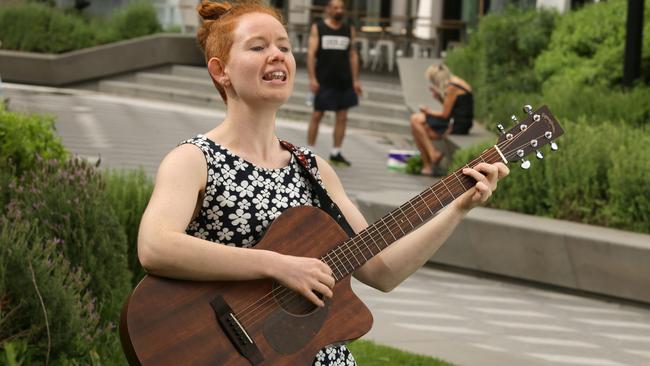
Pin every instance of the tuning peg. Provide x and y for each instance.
(539, 154)
(501, 129)
(528, 109)
(549, 135)
(525, 164)
(514, 119)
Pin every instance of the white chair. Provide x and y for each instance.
(421, 50)
(181, 13)
(377, 54)
(362, 45)
(299, 41)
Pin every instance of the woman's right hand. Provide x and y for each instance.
(424, 109)
(305, 275)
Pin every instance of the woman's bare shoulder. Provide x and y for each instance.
(458, 81)
(184, 162)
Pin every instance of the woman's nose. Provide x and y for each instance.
(277, 54)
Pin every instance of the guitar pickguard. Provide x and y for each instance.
(287, 333)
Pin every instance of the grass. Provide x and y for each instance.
(371, 354)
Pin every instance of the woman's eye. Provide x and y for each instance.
(257, 48)
(285, 49)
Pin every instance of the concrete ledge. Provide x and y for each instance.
(572, 255)
(101, 61)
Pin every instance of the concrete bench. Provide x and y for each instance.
(415, 88)
(560, 253)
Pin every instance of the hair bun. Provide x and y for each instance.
(209, 10)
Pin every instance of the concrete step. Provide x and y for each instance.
(380, 91)
(294, 110)
(366, 105)
(204, 84)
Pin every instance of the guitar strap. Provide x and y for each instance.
(326, 203)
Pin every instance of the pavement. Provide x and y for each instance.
(465, 318)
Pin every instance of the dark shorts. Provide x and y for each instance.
(330, 99)
(438, 125)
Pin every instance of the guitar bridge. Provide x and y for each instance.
(235, 331)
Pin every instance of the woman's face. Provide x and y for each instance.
(261, 67)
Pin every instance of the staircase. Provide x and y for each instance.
(381, 109)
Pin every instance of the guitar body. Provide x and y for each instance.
(175, 322)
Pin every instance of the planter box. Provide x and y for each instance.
(562, 253)
(101, 61)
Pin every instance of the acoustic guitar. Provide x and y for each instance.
(260, 322)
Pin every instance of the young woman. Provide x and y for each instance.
(217, 192)
(455, 95)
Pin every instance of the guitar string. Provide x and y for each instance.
(414, 208)
(361, 234)
(285, 292)
(300, 297)
(358, 250)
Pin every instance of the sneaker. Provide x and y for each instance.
(339, 160)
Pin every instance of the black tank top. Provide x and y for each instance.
(333, 56)
(462, 112)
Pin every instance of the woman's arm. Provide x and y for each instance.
(447, 106)
(166, 250)
(397, 262)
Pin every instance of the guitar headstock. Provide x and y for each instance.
(539, 128)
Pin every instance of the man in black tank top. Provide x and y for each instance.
(332, 64)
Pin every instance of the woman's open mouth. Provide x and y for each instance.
(275, 75)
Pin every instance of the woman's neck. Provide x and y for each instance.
(250, 133)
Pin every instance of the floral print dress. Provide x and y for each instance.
(242, 199)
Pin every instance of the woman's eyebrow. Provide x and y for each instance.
(261, 38)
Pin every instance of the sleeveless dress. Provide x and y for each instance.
(241, 200)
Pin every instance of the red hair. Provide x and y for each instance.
(219, 22)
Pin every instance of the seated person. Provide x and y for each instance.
(455, 94)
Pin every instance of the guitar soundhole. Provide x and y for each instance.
(292, 302)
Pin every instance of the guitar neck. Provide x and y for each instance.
(354, 252)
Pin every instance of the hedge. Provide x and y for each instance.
(37, 27)
(599, 176)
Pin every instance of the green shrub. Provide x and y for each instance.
(23, 138)
(36, 279)
(599, 176)
(135, 20)
(597, 103)
(66, 202)
(129, 192)
(629, 183)
(39, 28)
(500, 57)
(587, 47)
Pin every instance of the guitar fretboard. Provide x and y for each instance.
(354, 252)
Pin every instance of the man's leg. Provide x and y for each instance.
(339, 132)
(312, 131)
(339, 127)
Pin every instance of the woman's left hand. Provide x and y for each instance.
(486, 176)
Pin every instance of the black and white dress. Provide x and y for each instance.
(242, 199)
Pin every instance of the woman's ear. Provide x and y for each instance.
(216, 68)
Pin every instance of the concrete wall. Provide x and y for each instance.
(577, 256)
(98, 62)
